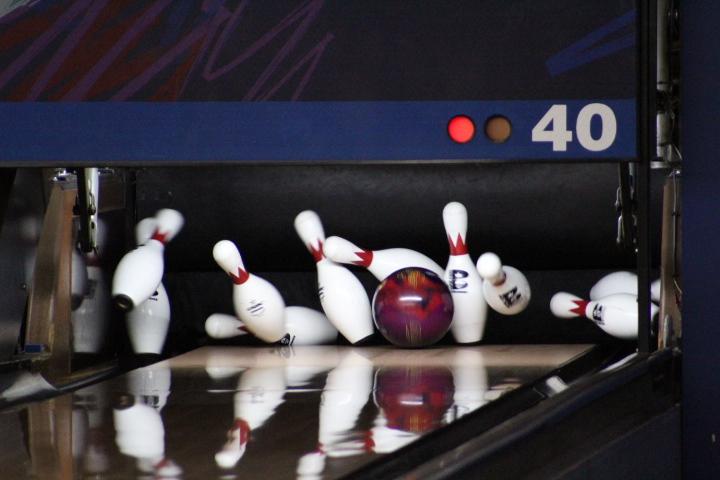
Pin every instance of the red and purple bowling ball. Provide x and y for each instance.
(412, 308)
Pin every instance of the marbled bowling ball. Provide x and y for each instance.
(412, 308)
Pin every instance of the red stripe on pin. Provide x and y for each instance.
(580, 309)
(160, 237)
(366, 257)
(457, 247)
(317, 253)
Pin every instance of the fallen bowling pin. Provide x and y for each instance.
(615, 314)
(220, 326)
(381, 263)
(304, 326)
(140, 271)
(506, 289)
(463, 280)
(342, 296)
(622, 282)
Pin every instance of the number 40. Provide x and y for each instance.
(552, 127)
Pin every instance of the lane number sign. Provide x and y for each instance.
(552, 127)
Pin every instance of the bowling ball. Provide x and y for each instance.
(412, 307)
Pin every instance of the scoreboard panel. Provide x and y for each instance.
(245, 80)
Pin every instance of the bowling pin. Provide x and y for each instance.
(148, 323)
(615, 314)
(506, 289)
(90, 320)
(622, 282)
(304, 326)
(380, 263)
(140, 271)
(79, 279)
(221, 326)
(463, 280)
(342, 296)
(257, 302)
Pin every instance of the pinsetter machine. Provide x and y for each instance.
(553, 122)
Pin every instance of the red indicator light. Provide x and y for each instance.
(461, 129)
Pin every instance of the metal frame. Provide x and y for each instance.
(646, 143)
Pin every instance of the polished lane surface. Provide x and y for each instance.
(237, 412)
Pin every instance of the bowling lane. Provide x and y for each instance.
(269, 412)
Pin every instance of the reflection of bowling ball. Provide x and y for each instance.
(414, 399)
(413, 307)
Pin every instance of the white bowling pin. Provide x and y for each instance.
(615, 314)
(655, 290)
(622, 282)
(342, 296)
(90, 321)
(463, 280)
(148, 323)
(305, 326)
(140, 271)
(78, 280)
(380, 263)
(506, 289)
(221, 325)
(145, 229)
(257, 302)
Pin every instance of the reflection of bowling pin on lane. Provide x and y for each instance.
(148, 323)
(470, 379)
(347, 390)
(461, 276)
(257, 302)
(151, 384)
(615, 314)
(622, 282)
(140, 271)
(505, 288)
(342, 296)
(140, 434)
(260, 392)
(380, 263)
(304, 326)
